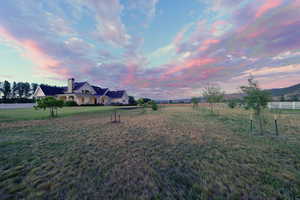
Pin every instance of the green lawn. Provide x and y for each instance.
(32, 114)
(174, 153)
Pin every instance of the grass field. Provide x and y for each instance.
(174, 153)
(31, 113)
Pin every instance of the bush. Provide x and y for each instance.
(70, 103)
(154, 105)
(232, 104)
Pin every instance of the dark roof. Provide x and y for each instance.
(52, 90)
(115, 94)
(78, 85)
(99, 90)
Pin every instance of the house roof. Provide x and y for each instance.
(115, 94)
(99, 90)
(52, 90)
(78, 85)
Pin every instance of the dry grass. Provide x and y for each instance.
(174, 153)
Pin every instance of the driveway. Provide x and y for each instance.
(16, 105)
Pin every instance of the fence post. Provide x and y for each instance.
(294, 105)
(280, 105)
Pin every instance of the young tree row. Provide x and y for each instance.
(254, 98)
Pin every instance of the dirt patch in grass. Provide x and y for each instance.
(174, 153)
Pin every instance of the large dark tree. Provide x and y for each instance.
(132, 101)
(34, 86)
(26, 87)
(6, 89)
(14, 89)
(20, 89)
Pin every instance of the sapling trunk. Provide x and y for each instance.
(51, 112)
(261, 125)
(258, 113)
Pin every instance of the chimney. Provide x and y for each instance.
(71, 85)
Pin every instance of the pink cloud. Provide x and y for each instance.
(206, 44)
(190, 64)
(35, 54)
(130, 78)
(270, 4)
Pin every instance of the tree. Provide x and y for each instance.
(14, 89)
(195, 102)
(140, 102)
(6, 89)
(153, 105)
(34, 86)
(255, 99)
(131, 100)
(213, 94)
(26, 87)
(146, 100)
(51, 103)
(20, 89)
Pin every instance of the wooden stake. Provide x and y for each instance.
(251, 123)
(276, 127)
(251, 126)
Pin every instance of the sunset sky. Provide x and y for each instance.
(154, 48)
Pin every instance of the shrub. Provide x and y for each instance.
(70, 103)
(154, 105)
(232, 104)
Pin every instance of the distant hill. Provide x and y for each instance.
(288, 91)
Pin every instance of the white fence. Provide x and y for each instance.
(284, 105)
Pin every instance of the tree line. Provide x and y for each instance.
(16, 92)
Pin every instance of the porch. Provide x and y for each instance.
(80, 99)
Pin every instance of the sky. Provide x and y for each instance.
(162, 49)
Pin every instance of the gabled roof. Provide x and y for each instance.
(99, 90)
(115, 94)
(52, 90)
(78, 85)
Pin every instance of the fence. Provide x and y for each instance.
(284, 105)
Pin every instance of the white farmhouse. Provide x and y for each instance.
(82, 93)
